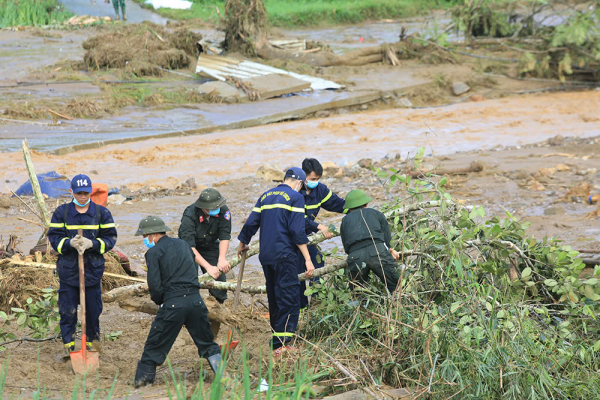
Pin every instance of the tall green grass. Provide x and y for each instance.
(303, 13)
(31, 13)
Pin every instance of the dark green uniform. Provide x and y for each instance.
(204, 233)
(173, 285)
(367, 246)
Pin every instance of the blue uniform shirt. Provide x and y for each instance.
(279, 213)
(98, 226)
(321, 196)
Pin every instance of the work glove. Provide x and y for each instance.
(81, 244)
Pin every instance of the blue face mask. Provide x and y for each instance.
(214, 213)
(148, 243)
(82, 205)
(312, 184)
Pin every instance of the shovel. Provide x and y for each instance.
(83, 361)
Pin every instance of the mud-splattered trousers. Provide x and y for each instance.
(68, 300)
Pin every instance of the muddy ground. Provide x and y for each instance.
(529, 170)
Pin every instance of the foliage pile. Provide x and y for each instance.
(571, 47)
(144, 49)
(31, 13)
(458, 325)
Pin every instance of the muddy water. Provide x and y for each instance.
(342, 139)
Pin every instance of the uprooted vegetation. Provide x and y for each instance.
(484, 309)
(143, 49)
(570, 48)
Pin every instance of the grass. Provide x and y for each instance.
(31, 13)
(305, 13)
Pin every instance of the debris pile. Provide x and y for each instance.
(143, 49)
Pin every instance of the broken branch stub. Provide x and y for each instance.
(35, 184)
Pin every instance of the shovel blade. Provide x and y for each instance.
(85, 362)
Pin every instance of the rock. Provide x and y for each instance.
(322, 114)
(403, 102)
(332, 169)
(520, 174)
(562, 167)
(477, 98)
(365, 163)
(116, 199)
(557, 140)
(4, 202)
(344, 111)
(270, 172)
(364, 107)
(459, 88)
(536, 186)
(547, 171)
(190, 183)
(554, 210)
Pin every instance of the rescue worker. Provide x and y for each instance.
(99, 236)
(279, 213)
(366, 238)
(116, 5)
(206, 227)
(316, 195)
(173, 285)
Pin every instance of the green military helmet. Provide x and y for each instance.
(356, 198)
(151, 225)
(210, 199)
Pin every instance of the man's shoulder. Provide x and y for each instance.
(61, 209)
(190, 210)
(103, 210)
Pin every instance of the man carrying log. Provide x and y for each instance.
(173, 285)
(206, 227)
(366, 238)
(99, 236)
(279, 213)
(316, 195)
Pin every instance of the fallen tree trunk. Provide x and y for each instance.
(364, 56)
(142, 288)
(476, 166)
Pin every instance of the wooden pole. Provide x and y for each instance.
(20, 263)
(35, 185)
(236, 299)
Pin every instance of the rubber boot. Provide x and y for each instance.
(124, 17)
(144, 375)
(214, 362)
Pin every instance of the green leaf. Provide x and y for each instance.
(488, 306)
(501, 314)
(455, 306)
(17, 310)
(526, 272)
(592, 281)
(22, 319)
(550, 282)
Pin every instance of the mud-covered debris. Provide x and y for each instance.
(332, 169)
(147, 46)
(536, 186)
(520, 174)
(4, 202)
(459, 88)
(562, 168)
(477, 97)
(270, 172)
(589, 171)
(547, 171)
(557, 140)
(365, 163)
(190, 183)
(582, 190)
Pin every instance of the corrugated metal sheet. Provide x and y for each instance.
(217, 67)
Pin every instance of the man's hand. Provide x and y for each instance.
(241, 248)
(81, 244)
(395, 254)
(310, 269)
(223, 265)
(326, 232)
(214, 272)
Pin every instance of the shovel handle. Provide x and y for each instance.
(236, 299)
(82, 294)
